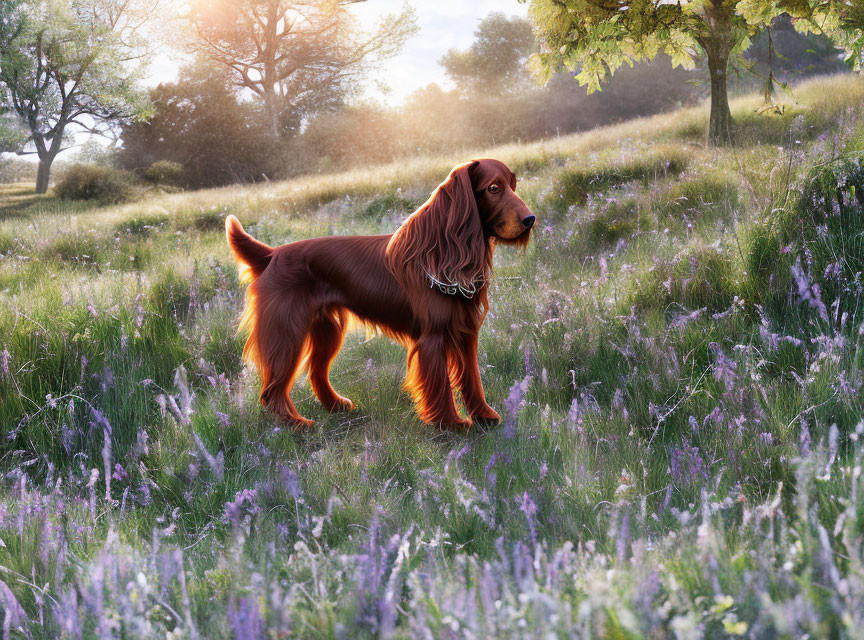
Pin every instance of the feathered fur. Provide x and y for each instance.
(302, 295)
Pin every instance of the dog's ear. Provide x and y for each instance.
(443, 240)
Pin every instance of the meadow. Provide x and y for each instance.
(677, 357)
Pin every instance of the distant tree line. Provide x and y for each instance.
(274, 88)
(220, 136)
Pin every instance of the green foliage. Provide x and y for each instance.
(673, 459)
(829, 221)
(577, 181)
(200, 125)
(65, 62)
(703, 197)
(697, 278)
(93, 182)
(387, 204)
(495, 62)
(164, 172)
(593, 39)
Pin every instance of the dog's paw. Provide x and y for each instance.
(339, 404)
(486, 416)
(459, 426)
(456, 423)
(298, 423)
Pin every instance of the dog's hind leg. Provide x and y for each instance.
(325, 337)
(281, 345)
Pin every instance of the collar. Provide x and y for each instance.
(454, 288)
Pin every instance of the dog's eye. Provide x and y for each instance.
(494, 188)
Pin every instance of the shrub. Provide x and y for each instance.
(695, 278)
(380, 206)
(828, 221)
(164, 172)
(700, 196)
(92, 182)
(611, 220)
(75, 247)
(577, 181)
(7, 243)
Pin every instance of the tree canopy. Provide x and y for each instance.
(495, 61)
(593, 38)
(294, 55)
(71, 63)
(200, 124)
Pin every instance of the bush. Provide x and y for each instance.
(164, 172)
(699, 197)
(92, 182)
(578, 180)
(695, 278)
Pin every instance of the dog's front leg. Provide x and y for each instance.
(429, 382)
(470, 383)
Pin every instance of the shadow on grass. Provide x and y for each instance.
(21, 201)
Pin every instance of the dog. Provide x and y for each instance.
(425, 286)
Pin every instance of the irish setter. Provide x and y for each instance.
(424, 285)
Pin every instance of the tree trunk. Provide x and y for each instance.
(718, 44)
(720, 125)
(44, 172)
(269, 81)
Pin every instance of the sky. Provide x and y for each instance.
(444, 24)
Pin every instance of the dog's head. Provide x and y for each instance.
(448, 238)
(503, 214)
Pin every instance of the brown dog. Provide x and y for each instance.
(425, 286)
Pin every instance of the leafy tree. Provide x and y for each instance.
(199, 123)
(496, 61)
(841, 19)
(598, 36)
(294, 55)
(67, 64)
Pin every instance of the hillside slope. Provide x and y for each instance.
(677, 355)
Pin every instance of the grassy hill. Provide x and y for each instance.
(677, 355)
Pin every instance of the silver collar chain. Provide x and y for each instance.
(451, 289)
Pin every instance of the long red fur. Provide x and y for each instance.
(302, 295)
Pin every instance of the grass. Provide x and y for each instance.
(677, 356)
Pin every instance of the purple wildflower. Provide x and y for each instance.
(807, 291)
(724, 367)
(291, 482)
(529, 508)
(622, 537)
(618, 404)
(244, 504)
(804, 440)
(512, 405)
(244, 618)
(686, 465)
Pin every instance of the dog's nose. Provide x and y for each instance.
(528, 221)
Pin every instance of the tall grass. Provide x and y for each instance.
(677, 356)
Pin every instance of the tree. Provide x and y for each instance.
(199, 122)
(842, 20)
(598, 36)
(294, 55)
(496, 61)
(71, 63)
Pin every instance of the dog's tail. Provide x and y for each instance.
(252, 256)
